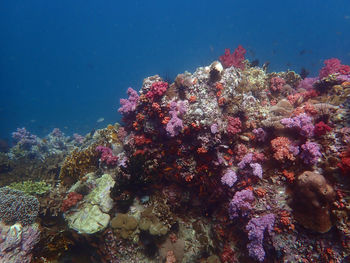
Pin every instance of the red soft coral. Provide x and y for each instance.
(71, 200)
(344, 164)
(235, 59)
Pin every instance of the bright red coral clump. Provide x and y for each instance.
(344, 164)
(71, 200)
(321, 129)
(235, 59)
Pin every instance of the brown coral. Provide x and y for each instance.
(79, 163)
(312, 200)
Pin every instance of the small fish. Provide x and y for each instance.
(254, 63)
(265, 66)
(100, 119)
(302, 52)
(346, 17)
(304, 73)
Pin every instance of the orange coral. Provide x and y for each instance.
(289, 175)
(282, 148)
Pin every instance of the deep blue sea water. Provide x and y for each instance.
(65, 63)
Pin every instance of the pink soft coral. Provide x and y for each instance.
(332, 66)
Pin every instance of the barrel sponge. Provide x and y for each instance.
(312, 199)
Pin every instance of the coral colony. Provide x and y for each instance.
(226, 164)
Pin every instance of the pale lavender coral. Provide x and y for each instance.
(302, 122)
(241, 203)
(260, 134)
(294, 149)
(310, 152)
(257, 169)
(25, 138)
(175, 124)
(78, 138)
(256, 228)
(214, 128)
(229, 178)
(307, 83)
(247, 159)
(129, 105)
(56, 132)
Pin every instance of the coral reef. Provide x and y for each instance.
(227, 164)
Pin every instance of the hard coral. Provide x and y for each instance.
(312, 200)
(16, 206)
(78, 164)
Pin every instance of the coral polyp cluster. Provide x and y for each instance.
(226, 164)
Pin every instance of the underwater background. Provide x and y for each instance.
(66, 64)
(175, 131)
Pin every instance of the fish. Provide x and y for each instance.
(302, 52)
(100, 119)
(254, 63)
(304, 73)
(265, 66)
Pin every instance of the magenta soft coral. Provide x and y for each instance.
(158, 88)
(235, 59)
(107, 155)
(333, 65)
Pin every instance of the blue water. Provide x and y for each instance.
(67, 63)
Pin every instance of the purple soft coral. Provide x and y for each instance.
(256, 228)
(175, 124)
(129, 105)
(24, 138)
(241, 203)
(302, 122)
(229, 178)
(310, 153)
